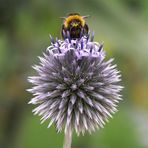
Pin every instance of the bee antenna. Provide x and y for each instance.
(62, 17)
(86, 16)
(100, 47)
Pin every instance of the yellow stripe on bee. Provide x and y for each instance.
(73, 17)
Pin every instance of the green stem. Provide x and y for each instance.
(68, 139)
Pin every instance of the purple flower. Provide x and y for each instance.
(75, 87)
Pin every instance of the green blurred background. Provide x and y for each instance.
(24, 33)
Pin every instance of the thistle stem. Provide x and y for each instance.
(67, 139)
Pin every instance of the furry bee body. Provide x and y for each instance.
(75, 24)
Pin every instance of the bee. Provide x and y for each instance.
(74, 24)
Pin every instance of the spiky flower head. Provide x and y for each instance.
(75, 87)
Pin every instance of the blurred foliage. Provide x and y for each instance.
(24, 33)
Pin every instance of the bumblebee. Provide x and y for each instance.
(74, 24)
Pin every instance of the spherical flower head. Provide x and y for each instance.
(75, 87)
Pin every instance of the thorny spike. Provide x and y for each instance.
(87, 37)
(100, 47)
(91, 48)
(68, 36)
(64, 34)
(81, 33)
(82, 44)
(77, 42)
(92, 37)
(59, 50)
(51, 39)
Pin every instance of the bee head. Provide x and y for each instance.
(74, 21)
(75, 24)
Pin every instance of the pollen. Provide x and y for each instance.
(74, 24)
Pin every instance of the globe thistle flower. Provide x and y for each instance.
(75, 87)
